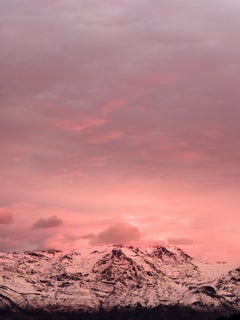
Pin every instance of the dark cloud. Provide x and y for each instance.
(180, 241)
(51, 222)
(5, 216)
(117, 234)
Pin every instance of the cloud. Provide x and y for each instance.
(111, 106)
(159, 136)
(82, 125)
(180, 241)
(107, 137)
(5, 216)
(121, 232)
(88, 236)
(51, 222)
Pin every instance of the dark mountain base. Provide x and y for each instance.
(233, 317)
(160, 313)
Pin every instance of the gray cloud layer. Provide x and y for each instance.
(51, 222)
(119, 233)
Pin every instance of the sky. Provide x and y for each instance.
(119, 123)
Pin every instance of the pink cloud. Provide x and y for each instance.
(146, 83)
(120, 233)
(6, 216)
(107, 137)
(82, 125)
(111, 106)
(99, 162)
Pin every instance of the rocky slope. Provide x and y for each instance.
(115, 277)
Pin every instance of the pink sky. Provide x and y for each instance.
(120, 122)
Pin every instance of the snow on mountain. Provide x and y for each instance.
(114, 276)
(229, 286)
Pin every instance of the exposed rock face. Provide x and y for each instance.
(113, 277)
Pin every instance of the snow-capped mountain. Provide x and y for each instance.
(113, 277)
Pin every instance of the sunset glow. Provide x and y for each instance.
(119, 123)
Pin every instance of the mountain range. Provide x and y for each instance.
(159, 282)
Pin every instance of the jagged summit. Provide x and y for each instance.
(112, 277)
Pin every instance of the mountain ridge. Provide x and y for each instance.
(115, 277)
